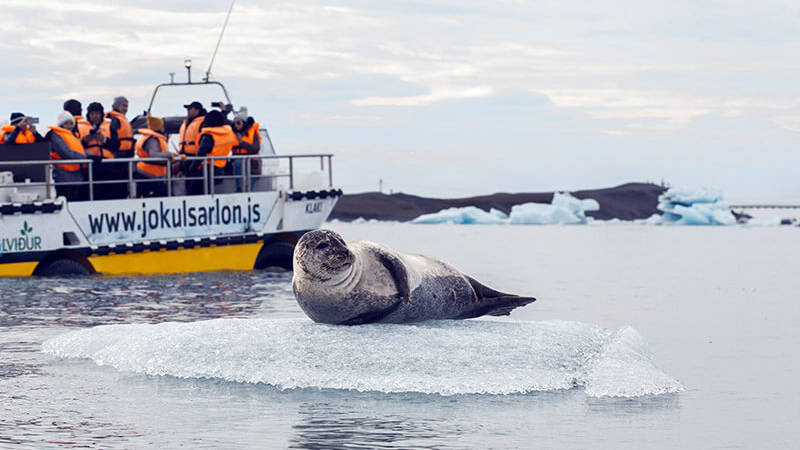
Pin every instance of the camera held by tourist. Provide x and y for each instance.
(20, 130)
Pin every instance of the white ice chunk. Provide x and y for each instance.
(625, 369)
(765, 221)
(463, 216)
(564, 209)
(682, 206)
(688, 196)
(543, 214)
(441, 357)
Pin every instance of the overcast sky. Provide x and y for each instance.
(454, 98)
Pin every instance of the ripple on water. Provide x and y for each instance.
(90, 301)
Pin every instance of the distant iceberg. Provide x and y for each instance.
(468, 215)
(680, 206)
(564, 209)
(704, 206)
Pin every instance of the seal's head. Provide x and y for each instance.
(322, 254)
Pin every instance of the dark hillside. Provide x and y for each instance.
(627, 202)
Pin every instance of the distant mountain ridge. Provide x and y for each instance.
(626, 202)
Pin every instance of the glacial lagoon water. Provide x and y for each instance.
(642, 336)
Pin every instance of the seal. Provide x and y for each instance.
(366, 282)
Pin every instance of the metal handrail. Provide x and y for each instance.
(245, 176)
(196, 83)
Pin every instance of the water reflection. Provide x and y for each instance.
(634, 405)
(90, 301)
(323, 425)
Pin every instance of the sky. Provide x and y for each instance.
(453, 98)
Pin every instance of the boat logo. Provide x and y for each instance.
(26, 242)
(314, 207)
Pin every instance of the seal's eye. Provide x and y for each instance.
(322, 246)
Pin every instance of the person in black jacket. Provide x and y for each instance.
(19, 131)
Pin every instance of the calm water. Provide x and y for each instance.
(707, 315)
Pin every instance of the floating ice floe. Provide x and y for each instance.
(564, 209)
(683, 206)
(468, 215)
(439, 357)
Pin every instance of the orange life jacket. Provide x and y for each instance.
(125, 131)
(94, 144)
(82, 127)
(23, 137)
(224, 140)
(250, 137)
(189, 134)
(72, 142)
(150, 168)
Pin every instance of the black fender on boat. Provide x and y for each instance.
(63, 262)
(275, 254)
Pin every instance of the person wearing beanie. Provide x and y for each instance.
(152, 144)
(74, 107)
(64, 145)
(93, 141)
(216, 139)
(94, 138)
(120, 136)
(19, 131)
(245, 129)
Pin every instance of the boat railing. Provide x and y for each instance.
(209, 178)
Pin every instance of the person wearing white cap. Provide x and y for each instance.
(64, 145)
(249, 143)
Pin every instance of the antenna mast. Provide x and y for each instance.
(222, 32)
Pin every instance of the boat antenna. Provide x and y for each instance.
(222, 32)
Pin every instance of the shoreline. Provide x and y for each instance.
(628, 201)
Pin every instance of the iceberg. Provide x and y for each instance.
(467, 215)
(682, 206)
(564, 209)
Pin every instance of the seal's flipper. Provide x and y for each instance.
(493, 303)
(497, 306)
(483, 292)
(398, 271)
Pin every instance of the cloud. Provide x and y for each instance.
(438, 76)
(434, 97)
(790, 123)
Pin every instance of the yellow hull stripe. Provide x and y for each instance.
(205, 259)
(23, 269)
